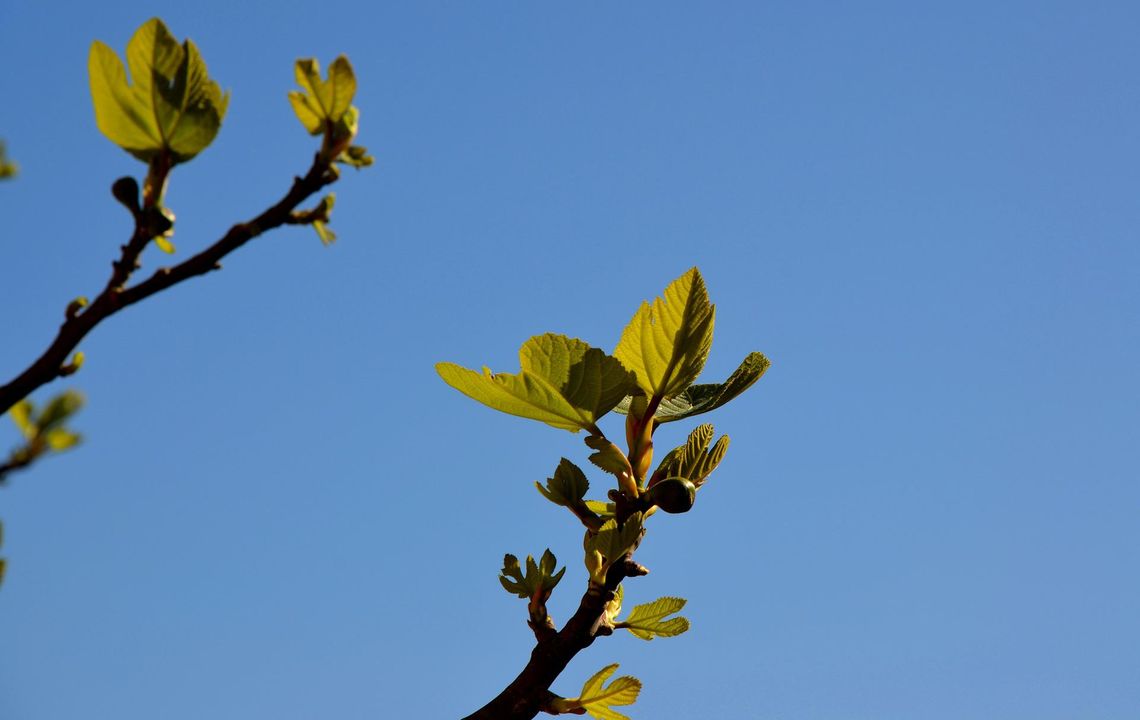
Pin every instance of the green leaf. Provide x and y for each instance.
(169, 103)
(613, 607)
(564, 383)
(649, 620)
(539, 579)
(59, 409)
(699, 399)
(567, 487)
(598, 699)
(601, 507)
(59, 439)
(614, 542)
(320, 224)
(323, 102)
(667, 342)
(21, 414)
(694, 461)
(609, 457)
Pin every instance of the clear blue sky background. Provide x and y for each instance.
(926, 216)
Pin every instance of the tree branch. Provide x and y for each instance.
(529, 693)
(52, 362)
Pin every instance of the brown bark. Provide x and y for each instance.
(529, 693)
(114, 297)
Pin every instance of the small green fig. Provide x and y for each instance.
(673, 495)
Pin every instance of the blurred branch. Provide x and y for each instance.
(82, 318)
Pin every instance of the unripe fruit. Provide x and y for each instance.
(673, 495)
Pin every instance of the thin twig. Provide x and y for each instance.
(48, 366)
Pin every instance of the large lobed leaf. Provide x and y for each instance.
(698, 399)
(667, 341)
(564, 383)
(169, 103)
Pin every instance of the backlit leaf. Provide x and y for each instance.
(567, 487)
(651, 619)
(59, 439)
(694, 461)
(59, 408)
(598, 699)
(608, 457)
(323, 101)
(614, 542)
(21, 414)
(539, 577)
(169, 103)
(667, 341)
(564, 383)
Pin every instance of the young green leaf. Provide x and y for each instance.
(323, 102)
(598, 700)
(169, 104)
(567, 487)
(605, 509)
(21, 414)
(612, 542)
(609, 457)
(59, 439)
(697, 399)
(694, 461)
(651, 620)
(667, 342)
(320, 223)
(539, 579)
(564, 383)
(59, 409)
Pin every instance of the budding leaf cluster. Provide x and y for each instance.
(168, 105)
(651, 379)
(44, 431)
(539, 579)
(325, 107)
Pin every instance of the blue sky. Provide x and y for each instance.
(925, 216)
